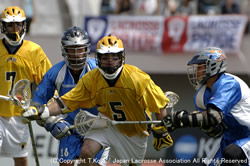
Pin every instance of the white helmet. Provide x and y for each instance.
(214, 60)
(13, 14)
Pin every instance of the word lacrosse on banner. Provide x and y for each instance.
(137, 33)
(169, 34)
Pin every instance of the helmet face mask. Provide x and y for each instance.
(110, 56)
(109, 63)
(13, 25)
(196, 74)
(76, 56)
(75, 48)
(206, 63)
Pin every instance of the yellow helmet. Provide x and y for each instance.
(13, 14)
(111, 45)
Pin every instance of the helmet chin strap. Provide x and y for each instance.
(111, 76)
(18, 36)
(15, 43)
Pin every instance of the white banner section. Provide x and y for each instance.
(223, 31)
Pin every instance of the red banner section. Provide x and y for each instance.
(175, 34)
(170, 34)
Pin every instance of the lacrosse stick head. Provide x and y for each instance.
(86, 122)
(173, 99)
(21, 93)
(83, 121)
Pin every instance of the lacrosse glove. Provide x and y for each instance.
(57, 126)
(162, 138)
(214, 131)
(176, 120)
(36, 111)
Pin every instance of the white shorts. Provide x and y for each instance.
(14, 137)
(123, 149)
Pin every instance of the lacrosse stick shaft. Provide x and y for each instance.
(5, 98)
(112, 122)
(172, 110)
(135, 122)
(33, 143)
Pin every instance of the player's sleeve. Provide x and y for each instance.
(45, 90)
(78, 97)
(92, 63)
(153, 98)
(42, 65)
(226, 96)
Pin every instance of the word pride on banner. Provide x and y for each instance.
(220, 31)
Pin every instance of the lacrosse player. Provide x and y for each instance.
(20, 59)
(62, 77)
(222, 102)
(122, 92)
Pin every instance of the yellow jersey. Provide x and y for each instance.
(133, 97)
(29, 62)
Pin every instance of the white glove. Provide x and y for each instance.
(36, 111)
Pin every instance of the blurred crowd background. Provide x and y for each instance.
(48, 17)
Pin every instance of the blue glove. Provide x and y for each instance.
(58, 127)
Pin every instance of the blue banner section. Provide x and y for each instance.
(96, 28)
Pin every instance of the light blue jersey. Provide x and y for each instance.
(232, 96)
(59, 78)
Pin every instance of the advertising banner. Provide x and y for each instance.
(224, 31)
(169, 34)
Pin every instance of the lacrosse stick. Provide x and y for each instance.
(20, 96)
(85, 122)
(173, 100)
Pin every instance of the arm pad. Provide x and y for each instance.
(211, 117)
(60, 102)
(209, 121)
(62, 105)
